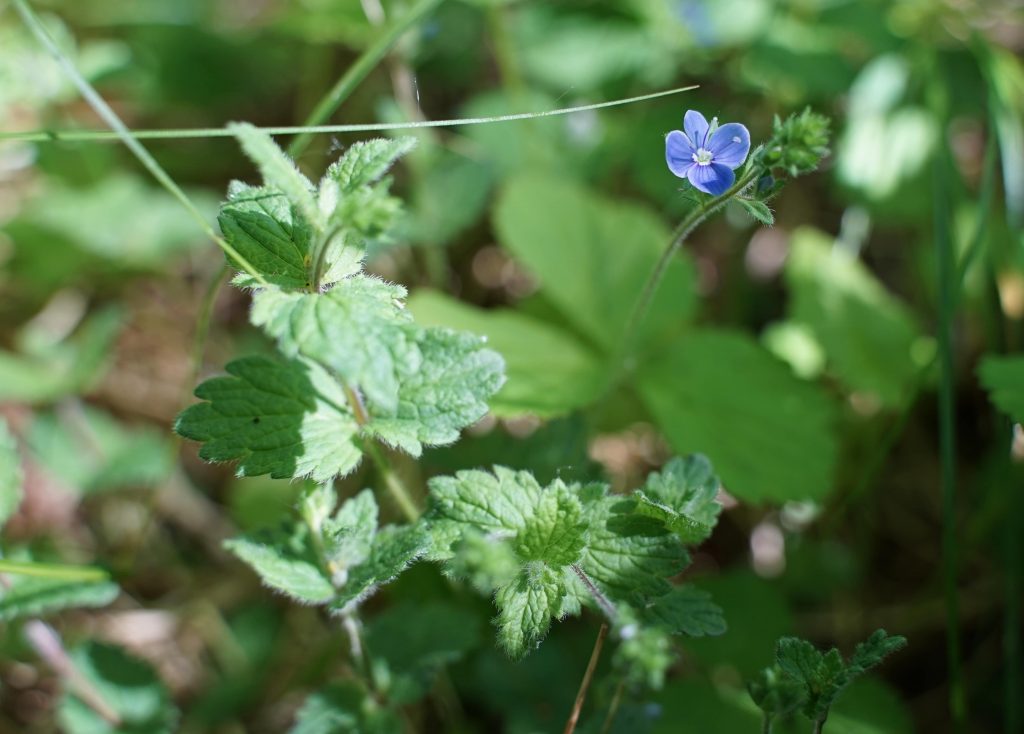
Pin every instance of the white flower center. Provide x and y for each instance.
(703, 157)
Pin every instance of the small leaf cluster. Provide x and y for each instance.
(805, 679)
(797, 145)
(331, 558)
(352, 366)
(547, 551)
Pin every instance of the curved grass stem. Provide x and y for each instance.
(588, 676)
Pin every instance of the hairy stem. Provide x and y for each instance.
(53, 571)
(398, 490)
(602, 601)
(682, 232)
(358, 71)
(121, 131)
(581, 696)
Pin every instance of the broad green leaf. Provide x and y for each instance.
(549, 371)
(91, 451)
(592, 257)
(442, 392)
(1003, 377)
(627, 555)
(33, 596)
(687, 611)
(415, 640)
(286, 560)
(356, 330)
(394, 549)
(868, 336)
(127, 685)
(683, 496)
(279, 172)
(268, 231)
(502, 502)
(526, 607)
(46, 373)
(287, 419)
(768, 434)
(344, 708)
(10, 474)
(555, 532)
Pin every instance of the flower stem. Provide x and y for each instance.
(53, 571)
(110, 117)
(581, 695)
(679, 236)
(602, 601)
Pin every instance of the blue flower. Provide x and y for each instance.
(707, 154)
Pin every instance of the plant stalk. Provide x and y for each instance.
(577, 707)
(602, 601)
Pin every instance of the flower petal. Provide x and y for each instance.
(712, 179)
(730, 144)
(678, 153)
(695, 127)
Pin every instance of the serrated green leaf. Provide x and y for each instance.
(686, 611)
(628, 556)
(32, 596)
(683, 496)
(873, 651)
(769, 435)
(1003, 377)
(356, 330)
(526, 607)
(279, 172)
(486, 562)
(287, 419)
(549, 372)
(759, 211)
(394, 549)
(127, 685)
(286, 560)
(10, 474)
(267, 230)
(823, 675)
(441, 393)
(348, 536)
(499, 503)
(555, 531)
(365, 162)
(555, 227)
(868, 335)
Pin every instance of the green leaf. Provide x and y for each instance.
(494, 503)
(344, 708)
(874, 650)
(1003, 378)
(555, 532)
(768, 434)
(869, 337)
(287, 419)
(364, 163)
(415, 640)
(758, 210)
(686, 611)
(34, 596)
(348, 536)
(776, 693)
(10, 474)
(356, 330)
(609, 249)
(442, 392)
(128, 686)
(627, 555)
(394, 549)
(526, 607)
(823, 675)
(683, 497)
(268, 231)
(279, 172)
(286, 560)
(549, 371)
(486, 562)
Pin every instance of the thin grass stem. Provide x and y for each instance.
(581, 695)
(54, 571)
